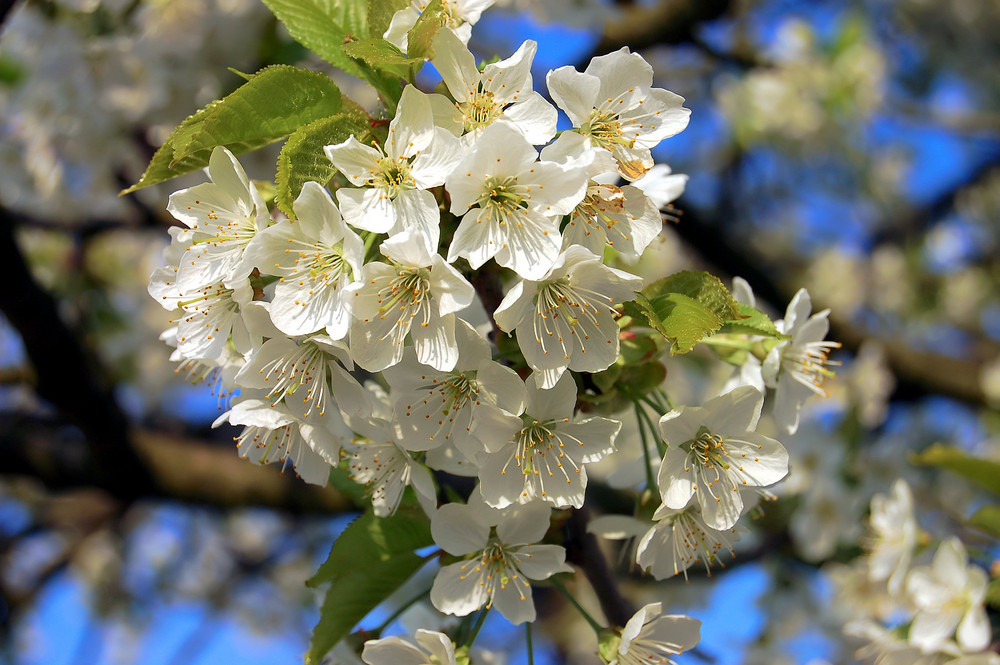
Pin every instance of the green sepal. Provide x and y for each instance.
(302, 157)
(608, 642)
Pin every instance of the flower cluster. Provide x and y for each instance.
(367, 332)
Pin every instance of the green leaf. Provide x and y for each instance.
(352, 597)
(267, 108)
(679, 318)
(369, 539)
(420, 38)
(987, 520)
(380, 14)
(982, 472)
(302, 157)
(323, 25)
(370, 560)
(383, 56)
(752, 321)
(685, 307)
(705, 288)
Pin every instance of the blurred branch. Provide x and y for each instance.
(180, 469)
(916, 221)
(918, 373)
(667, 22)
(68, 374)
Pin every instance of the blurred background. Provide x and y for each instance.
(849, 147)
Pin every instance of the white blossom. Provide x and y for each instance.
(275, 434)
(713, 453)
(679, 538)
(540, 453)
(316, 257)
(796, 368)
(500, 558)
(511, 203)
(434, 408)
(431, 648)
(224, 216)
(393, 181)
(459, 16)
(895, 536)
(500, 94)
(651, 637)
(566, 320)
(614, 104)
(948, 596)
(417, 294)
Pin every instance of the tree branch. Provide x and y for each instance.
(668, 22)
(68, 375)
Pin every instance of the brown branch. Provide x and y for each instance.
(68, 374)
(583, 550)
(180, 469)
(668, 22)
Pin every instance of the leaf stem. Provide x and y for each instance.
(399, 610)
(650, 480)
(527, 636)
(579, 608)
(479, 624)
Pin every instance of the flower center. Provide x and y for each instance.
(410, 293)
(560, 307)
(305, 369)
(605, 129)
(807, 363)
(692, 540)
(479, 109)
(707, 450)
(501, 197)
(497, 568)
(393, 176)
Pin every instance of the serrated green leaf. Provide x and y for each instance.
(269, 107)
(420, 38)
(703, 287)
(302, 157)
(369, 539)
(384, 56)
(380, 14)
(987, 520)
(982, 472)
(679, 318)
(323, 25)
(752, 321)
(353, 596)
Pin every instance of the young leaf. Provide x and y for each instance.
(265, 109)
(707, 289)
(752, 321)
(370, 539)
(383, 56)
(353, 596)
(271, 105)
(679, 318)
(421, 35)
(302, 157)
(380, 14)
(323, 25)
(982, 472)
